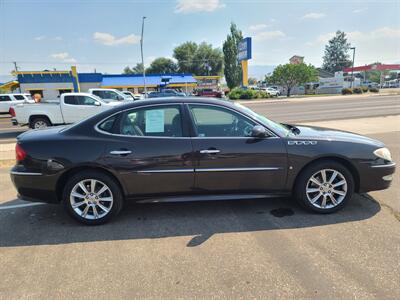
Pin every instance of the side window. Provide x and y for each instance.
(99, 94)
(19, 97)
(70, 100)
(85, 100)
(162, 121)
(212, 121)
(108, 124)
(5, 98)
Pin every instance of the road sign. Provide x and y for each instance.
(244, 48)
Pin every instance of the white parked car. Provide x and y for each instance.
(71, 108)
(9, 100)
(272, 92)
(110, 95)
(134, 96)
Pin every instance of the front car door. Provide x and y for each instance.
(151, 150)
(229, 159)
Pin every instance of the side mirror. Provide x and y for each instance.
(97, 103)
(258, 131)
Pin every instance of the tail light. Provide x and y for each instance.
(20, 153)
(11, 111)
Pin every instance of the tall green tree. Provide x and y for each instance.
(291, 75)
(137, 69)
(232, 67)
(162, 65)
(336, 56)
(200, 59)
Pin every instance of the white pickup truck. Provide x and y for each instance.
(9, 100)
(110, 94)
(72, 108)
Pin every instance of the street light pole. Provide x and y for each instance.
(141, 51)
(352, 68)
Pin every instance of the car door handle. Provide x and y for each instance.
(209, 151)
(120, 152)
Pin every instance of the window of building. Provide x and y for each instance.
(33, 92)
(64, 91)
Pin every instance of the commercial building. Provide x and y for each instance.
(51, 84)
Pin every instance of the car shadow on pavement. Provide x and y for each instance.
(50, 225)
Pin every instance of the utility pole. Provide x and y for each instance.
(16, 70)
(352, 68)
(141, 51)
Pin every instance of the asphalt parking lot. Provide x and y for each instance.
(265, 248)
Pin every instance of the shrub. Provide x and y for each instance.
(235, 94)
(357, 90)
(347, 91)
(374, 90)
(246, 94)
(364, 89)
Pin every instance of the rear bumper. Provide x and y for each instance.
(35, 187)
(376, 177)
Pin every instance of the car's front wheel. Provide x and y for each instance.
(92, 197)
(324, 187)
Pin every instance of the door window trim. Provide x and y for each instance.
(194, 130)
(181, 111)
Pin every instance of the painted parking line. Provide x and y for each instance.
(20, 205)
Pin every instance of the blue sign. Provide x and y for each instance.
(244, 48)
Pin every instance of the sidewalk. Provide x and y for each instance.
(300, 98)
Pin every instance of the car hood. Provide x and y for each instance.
(328, 134)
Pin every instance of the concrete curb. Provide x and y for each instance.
(316, 98)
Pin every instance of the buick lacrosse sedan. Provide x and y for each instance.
(193, 149)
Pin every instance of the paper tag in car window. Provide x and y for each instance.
(155, 120)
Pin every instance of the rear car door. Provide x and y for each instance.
(151, 150)
(228, 159)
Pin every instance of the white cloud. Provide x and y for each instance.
(268, 35)
(313, 15)
(64, 57)
(258, 27)
(110, 40)
(380, 44)
(58, 38)
(40, 38)
(191, 6)
(360, 10)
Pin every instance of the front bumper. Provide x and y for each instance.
(35, 187)
(376, 177)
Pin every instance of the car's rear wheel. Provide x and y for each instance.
(324, 187)
(92, 197)
(38, 123)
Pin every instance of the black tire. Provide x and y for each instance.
(34, 123)
(303, 180)
(103, 178)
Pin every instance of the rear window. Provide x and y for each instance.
(108, 124)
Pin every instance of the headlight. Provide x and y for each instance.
(383, 153)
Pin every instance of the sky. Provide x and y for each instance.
(105, 34)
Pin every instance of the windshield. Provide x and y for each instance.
(277, 127)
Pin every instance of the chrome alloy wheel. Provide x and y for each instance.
(91, 199)
(326, 188)
(40, 125)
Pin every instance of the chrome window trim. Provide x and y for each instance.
(270, 132)
(96, 126)
(26, 173)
